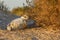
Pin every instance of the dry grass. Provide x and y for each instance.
(40, 33)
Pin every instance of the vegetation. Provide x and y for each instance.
(43, 11)
(20, 11)
(2, 6)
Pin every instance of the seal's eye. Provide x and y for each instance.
(25, 16)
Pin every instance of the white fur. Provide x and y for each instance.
(17, 23)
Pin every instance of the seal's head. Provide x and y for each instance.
(25, 17)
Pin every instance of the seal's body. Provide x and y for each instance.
(17, 23)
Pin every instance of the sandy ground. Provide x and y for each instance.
(40, 33)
